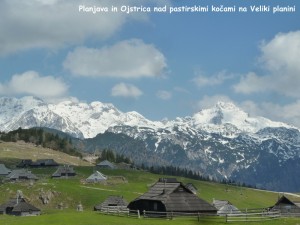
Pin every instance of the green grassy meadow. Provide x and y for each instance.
(72, 191)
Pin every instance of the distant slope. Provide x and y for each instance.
(223, 142)
(21, 150)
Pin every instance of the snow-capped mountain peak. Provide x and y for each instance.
(223, 138)
(224, 113)
(88, 120)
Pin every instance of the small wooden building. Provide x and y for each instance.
(225, 207)
(24, 163)
(287, 206)
(192, 187)
(44, 163)
(19, 207)
(106, 165)
(169, 195)
(96, 177)
(21, 174)
(112, 203)
(4, 171)
(64, 172)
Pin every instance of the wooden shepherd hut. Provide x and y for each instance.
(169, 195)
(44, 163)
(4, 171)
(112, 203)
(96, 177)
(21, 174)
(105, 165)
(24, 163)
(192, 188)
(287, 206)
(19, 207)
(225, 207)
(64, 172)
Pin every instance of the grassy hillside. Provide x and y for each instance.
(73, 191)
(21, 150)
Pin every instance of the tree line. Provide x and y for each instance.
(39, 137)
(183, 172)
(110, 155)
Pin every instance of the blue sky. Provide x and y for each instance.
(160, 64)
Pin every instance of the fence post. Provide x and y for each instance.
(144, 213)
(226, 219)
(246, 215)
(198, 217)
(139, 215)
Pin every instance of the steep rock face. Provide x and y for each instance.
(223, 141)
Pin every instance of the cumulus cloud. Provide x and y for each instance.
(54, 24)
(281, 59)
(126, 59)
(204, 80)
(251, 83)
(282, 53)
(32, 83)
(164, 95)
(210, 101)
(126, 90)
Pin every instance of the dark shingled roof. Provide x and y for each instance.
(175, 197)
(284, 200)
(24, 163)
(64, 171)
(18, 205)
(21, 174)
(44, 162)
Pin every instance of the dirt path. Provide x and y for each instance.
(103, 189)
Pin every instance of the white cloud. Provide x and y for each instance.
(282, 53)
(126, 59)
(251, 83)
(126, 90)
(31, 83)
(216, 79)
(281, 58)
(54, 24)
(164, 95)
(210, 101)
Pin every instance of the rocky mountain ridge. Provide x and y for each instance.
(223, 142)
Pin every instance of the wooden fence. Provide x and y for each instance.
(253, 215)
(150, 214)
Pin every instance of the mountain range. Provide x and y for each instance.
(223, 142)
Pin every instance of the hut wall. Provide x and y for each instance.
(147, 205)
(287, 208)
